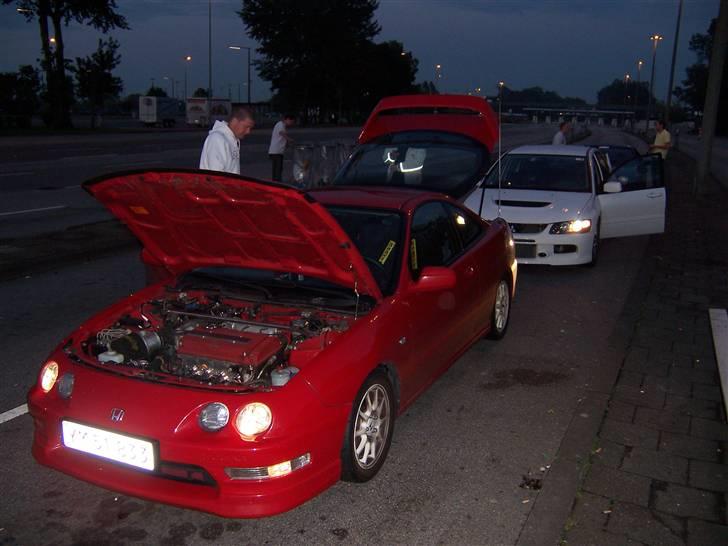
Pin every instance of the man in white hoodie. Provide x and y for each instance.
(221, 151)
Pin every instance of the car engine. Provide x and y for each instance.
(206, 338)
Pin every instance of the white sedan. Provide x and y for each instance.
(560, 201)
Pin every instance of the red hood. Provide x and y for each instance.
(189, 219)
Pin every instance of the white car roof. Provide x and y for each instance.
(548, 149)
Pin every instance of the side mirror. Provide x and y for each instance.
(612, 187)
(434, 279)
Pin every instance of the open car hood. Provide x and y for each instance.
(191, 218)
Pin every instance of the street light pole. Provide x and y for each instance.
(668, 102)
(637, 94)
(438, 75)
(626, 87)
(655, 38)
(187, 60)
(238, 48)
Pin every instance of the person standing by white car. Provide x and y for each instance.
(560, 136)
(221, 151)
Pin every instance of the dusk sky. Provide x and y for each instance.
(573, 47)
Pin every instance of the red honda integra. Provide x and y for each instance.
(293, 328)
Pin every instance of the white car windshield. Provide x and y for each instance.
(541, 172)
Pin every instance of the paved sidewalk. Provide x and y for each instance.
(658, 473)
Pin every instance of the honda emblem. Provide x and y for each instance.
(117, 415)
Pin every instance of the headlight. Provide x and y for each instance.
(65, 385)
(214, 416)
(573, 226)
(48, 375)
(252, 420)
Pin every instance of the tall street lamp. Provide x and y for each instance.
(637, 94)
(187, 61)
(238, 48)
(438, 75)
(655, 39)
(626, 87)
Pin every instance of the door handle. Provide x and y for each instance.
(654, 195)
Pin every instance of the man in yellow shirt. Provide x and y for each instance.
(662, 140)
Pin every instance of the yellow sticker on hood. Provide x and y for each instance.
(387, 251)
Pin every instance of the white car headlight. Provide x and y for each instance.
(572, 226)
(253, 419)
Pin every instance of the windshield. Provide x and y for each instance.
(541, 172)
(377, 235)
(428, 160)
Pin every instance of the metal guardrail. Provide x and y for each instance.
(315, 165)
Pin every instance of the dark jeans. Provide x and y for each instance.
(277, 160)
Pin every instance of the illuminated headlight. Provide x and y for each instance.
(273, 471)
(214, 416)
(48, 376)
(574, 226)
(252, 420)
(65, 385)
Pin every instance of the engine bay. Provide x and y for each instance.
(202, 338)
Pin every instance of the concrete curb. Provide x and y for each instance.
(545, 523)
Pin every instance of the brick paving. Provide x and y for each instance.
(658, 473)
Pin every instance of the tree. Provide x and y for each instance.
(94, 80)
(694, 86)
(199, 92)
(19, 96)
(56, 14)
(155, 91)
(621, 94)
(311, 51)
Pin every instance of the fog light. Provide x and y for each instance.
(273, 471)
(65, 385)
(214, 416)
(48, 376)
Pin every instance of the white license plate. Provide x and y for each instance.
(109, 445)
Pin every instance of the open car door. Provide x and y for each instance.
(633, 199)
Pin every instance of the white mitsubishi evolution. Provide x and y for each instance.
(560, 201)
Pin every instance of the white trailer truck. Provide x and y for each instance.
(158, 111)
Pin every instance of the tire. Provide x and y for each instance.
(595, 249)
(367, 440)
(501, 313)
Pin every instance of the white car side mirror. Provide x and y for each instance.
(613, 187)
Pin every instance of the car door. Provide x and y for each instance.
(639, 208)
(437, 318)
(479, 280)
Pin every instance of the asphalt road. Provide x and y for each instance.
(459, 455)
(40, 177)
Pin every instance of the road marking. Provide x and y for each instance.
(719, 326)
(18, 173)
(13, 413)
(32, 210)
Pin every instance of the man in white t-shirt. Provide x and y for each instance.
(278, 141)
(560, 137)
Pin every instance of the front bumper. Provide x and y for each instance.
(212, 489)
(547, 249)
